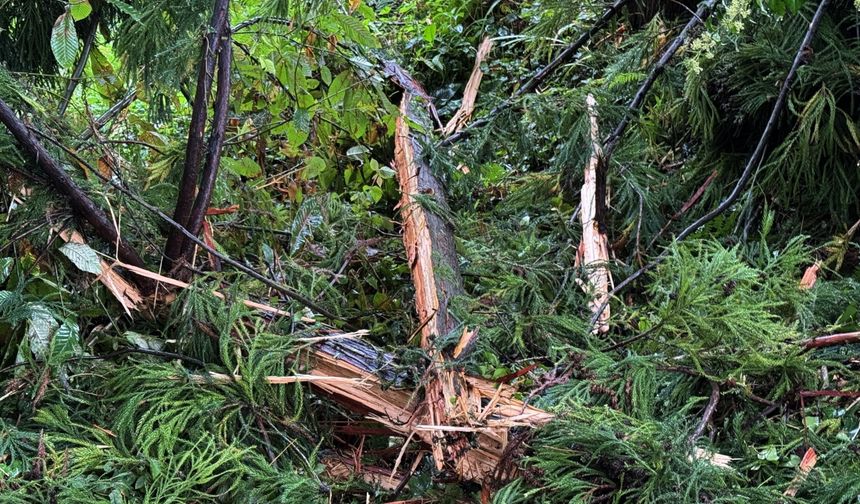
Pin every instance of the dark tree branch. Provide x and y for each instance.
(78, 199)
(754, 160)
(82, 63)
(216, 140)
(708, 413)
(612, 141)
(289, 292)
(194, 148)
(541, 75)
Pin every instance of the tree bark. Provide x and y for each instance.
(194, 148)
(216, 139)
(78, 199)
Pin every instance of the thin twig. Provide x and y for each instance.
(708, 413)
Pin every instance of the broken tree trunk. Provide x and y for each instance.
(454, 418)
(78, 199)
(593, 248)
(379, 392)
(429, 242)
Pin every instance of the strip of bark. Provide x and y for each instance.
(216, 139)
(754, 160)
(194, 148)
(832, 340)
(80, 202)
(470, 94)
(541, 75)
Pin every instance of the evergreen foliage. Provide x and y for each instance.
(172, 404)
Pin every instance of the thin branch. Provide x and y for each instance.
(754, 160)
(708, 413)
(78, 199)
(194, 148)
(832, 339)
(633, 108)
(112, 112)
(541, 75)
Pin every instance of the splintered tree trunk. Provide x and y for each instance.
(594, 247)
(429, 242)
(464, 420)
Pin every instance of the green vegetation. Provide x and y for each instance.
(101, 402)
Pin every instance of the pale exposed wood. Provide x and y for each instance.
(390, 406)
(124, 292)
(594, 247)
(184, 285)
(464, 420)
(470, 93)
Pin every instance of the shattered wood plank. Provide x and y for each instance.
(470, 94)
(594, 247)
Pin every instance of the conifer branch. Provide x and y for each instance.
(754, 160)
(613, 140)
(80, 202)
(541, 75)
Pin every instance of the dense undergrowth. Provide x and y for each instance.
(97, 405)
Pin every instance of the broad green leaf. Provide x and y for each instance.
(40, 327)
(6, 264)
(374, 192)
(64, 40)
(80, 9)
(430, 33)
(83, 257)
(67, 341)
(143, 341)
(313, 167)
(244, 167)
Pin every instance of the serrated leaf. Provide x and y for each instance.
(40, 327)
(83, 257)
(64, 40)
(354, 30)
(6, 264)
(67, 341)
(80, 9)
(144, 341)
(306, 221)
